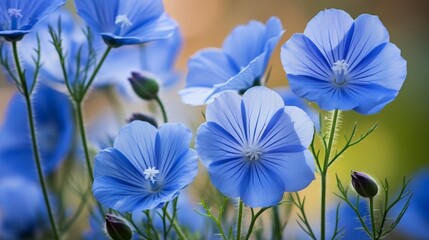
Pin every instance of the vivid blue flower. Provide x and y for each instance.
(54, 124)
(291, 99)
(22, 209)
(17, 17)
(415, 222)
(237, 66)
(255, 148)
(146, 167)
(344, 64)
(125, 22)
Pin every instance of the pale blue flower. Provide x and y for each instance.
(344, 64)
(17, 17)
(146, 167)
(237, 66)
(125, 22)
(255, 148)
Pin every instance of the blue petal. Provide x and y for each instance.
(226, 112)
(176, 162)
(296, 169)
(260, 187)
(229, 175)
(329, 31)
(257, 114)
(300, 57)
(97, 14)
(291, 130)
(368, 33)
(136, 141)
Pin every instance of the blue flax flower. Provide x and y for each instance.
(146, 167)
(124, 22)
(54, 123)
(22, 209)
(256, 148)
(17, 17)
(239, 65)
(415, 222)
(344, 64)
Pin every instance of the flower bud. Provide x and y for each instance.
(144, 118)
(117, 228)
(364, 185)
(144, 85)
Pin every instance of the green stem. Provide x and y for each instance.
(80, 121)
(371, 209)
(277, 231)
(164, 113)
(324, 172)
(239, 218)
(254, 218)
(176, 227)
(96, 70)
(32, 127)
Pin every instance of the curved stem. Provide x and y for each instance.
(254, 218)
(32, 127)
(239, 218)
(164, 113)
(96, 70)
(80, 122)
(324, 172)
(176, 227)
(371, 207)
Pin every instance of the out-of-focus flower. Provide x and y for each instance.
(17, 17)
(344, 64)
(125, 22)
(146, 167)
(255, 148)
(22, 209)
(364, 185)
(415, 222)
(239, 65)
(54, 124)
(291, 99)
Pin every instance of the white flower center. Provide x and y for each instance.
(13, 12)
(252, 153)
(123, 21)
(340, 71)
(150, 174)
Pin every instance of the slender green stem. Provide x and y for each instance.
(80, 122)
(96, 70)
(371, 210)
(254, 218)
(176, 227)
(32, 127)
(277, 231)
(164, 113)
(324, 172)
(239, 218)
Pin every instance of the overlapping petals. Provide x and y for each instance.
(344, 64)
(255, 148)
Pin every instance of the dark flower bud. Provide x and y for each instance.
(117, 228)
(364, 185)
(144, 118)
(144, 85)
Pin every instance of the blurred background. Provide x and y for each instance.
(397, 148)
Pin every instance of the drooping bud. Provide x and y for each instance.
(144, 118)
(144, 85)
(364, 185)
(117, 228)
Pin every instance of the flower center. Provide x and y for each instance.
(253, 153)
(340, 72)
(123, 21)
(14, 13)
(150, 174)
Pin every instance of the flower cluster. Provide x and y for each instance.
(256, 144)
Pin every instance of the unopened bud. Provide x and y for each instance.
(364, 185)
(117, 228)
(144, 85)
(144, 118)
